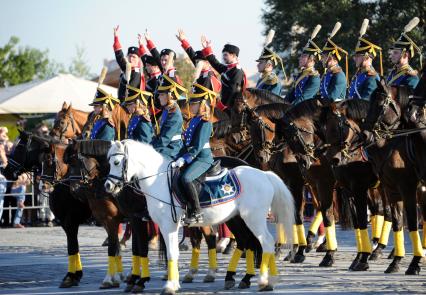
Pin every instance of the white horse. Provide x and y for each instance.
(132, 161)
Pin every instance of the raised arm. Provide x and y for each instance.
(208, 54)
(152, 48)
(119, 55)
(186, 46)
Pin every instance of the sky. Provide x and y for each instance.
(61, 25)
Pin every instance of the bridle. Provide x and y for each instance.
(64, 130)
(381, 129)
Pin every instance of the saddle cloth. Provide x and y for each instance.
(217, 186)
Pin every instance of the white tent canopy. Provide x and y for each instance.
(47, 96)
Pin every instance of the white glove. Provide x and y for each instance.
(178, 163)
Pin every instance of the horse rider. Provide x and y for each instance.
(168, 139)
(103, 126)
(364, 82)
(268, 79)
(402, 51)
(333, 81)
(207, 77)
(136, 78)
(196, 156)
(307, 83)
(232, 76)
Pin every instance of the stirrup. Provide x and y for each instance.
(194, 218)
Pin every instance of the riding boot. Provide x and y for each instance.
(195, 215)
(144, 214)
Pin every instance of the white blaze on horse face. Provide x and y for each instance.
(116, 177)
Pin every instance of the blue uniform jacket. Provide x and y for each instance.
(403, 76)
(140, 129)
(169, 141)
(333, 84)
(306, 86)
(363, 84)
(102, 129)
(270, 82)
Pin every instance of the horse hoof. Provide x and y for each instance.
(108, 285)
(413, 270)
(321, 248)
(187, 279)
(137, 289)
(229, 285)
(309, 248)
(289, 257)
(69, 281)
(244, 285)
(392, 268)
(265, 288)
(129, 287)
(78, 275)
(361, 266)
(209, 279)
(298, 258)
(375, 255)
(327, 261)
(168, 291)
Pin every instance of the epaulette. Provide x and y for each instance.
(144, 113)
(311, 72)
(272, 79)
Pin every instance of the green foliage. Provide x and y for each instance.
(185, 70)
(79, 67)
(294, 21)
(20, 65)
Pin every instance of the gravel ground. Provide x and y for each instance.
(33, 261)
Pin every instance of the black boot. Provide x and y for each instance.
(194, 216)
(144, 214)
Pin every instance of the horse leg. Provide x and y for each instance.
(410, 205)
(195, 236)
(112, 278)
(377, 215)
(73, 276)
(397, 226)
(136, 258)
(169, 230)
(210, 238)
(299, 230)
(362, 220)
(258, 226)
(386, 228)
(315, 224)
(142, 263)
(356, 230)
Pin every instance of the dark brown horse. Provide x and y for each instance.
(390, 155)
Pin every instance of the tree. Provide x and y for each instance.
(79, 65)
(20, 65)
(294, 21)
(185, 70)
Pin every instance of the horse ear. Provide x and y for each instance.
(69, 107)
(333, 106)
(64, 106)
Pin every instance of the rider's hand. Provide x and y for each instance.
(116, 30)
(178, 163)
(204, 42)
(140, 42)
(147, 35)
(181, 35)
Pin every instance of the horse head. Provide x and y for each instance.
(117, 177)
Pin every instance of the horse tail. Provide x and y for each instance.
(282, 204)
(162, 252)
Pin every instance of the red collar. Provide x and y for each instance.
(156, 74)
(231, 66)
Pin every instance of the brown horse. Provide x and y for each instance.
(352, 170)
(69, 123)
(390, 155)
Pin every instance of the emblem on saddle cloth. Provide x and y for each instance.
(219, 189)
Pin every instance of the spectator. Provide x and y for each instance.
(18, 191)
(3, 188)
(4, 141)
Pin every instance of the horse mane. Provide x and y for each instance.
(403, 95)
(93, 147)
(263, 96)
(222, 127)
(273, 111)
(356, 109)
(307, 108)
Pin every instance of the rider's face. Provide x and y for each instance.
(164, 98)
(358, 59)
(303, 60)
(229, 58)
(194, 108)
(97, 109)
(395, 55)
(133, 59)
(131, 107)
(164, 60)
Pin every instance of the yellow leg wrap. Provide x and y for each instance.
(398, 241)
(295, 237)
(424, 234)
(330, 235)
(365, 241)
(316, 223)
(145, 267)
(265, 263)
(273, 271)
(417, 244)
(250, 262)
(379, 221)
(71, 263)
(195, 258)
(118, 263)
(301, 235)
(172, 271)
(373, 224)
(384, 237)
(358, 239)
(136, 265)
(212, 259)
(111, 265)
(233, 263)
(79, 265)
(281, 238)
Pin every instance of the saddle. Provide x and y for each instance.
(217, 185)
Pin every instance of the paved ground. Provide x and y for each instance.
(33, 261)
